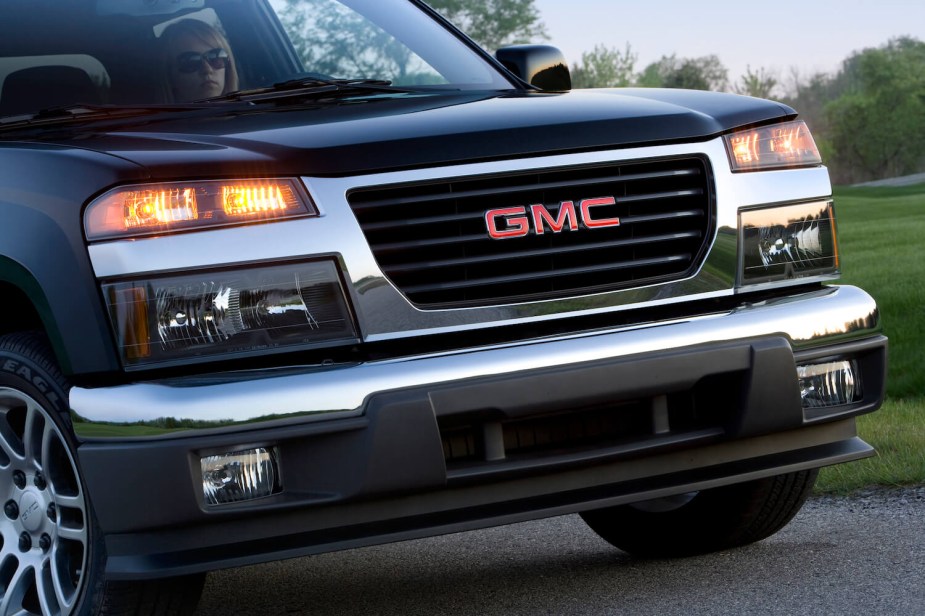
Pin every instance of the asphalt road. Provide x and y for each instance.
(860, 555)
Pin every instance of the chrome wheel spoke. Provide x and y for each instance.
(12, 602)
(8, 451)
(10, 442)
(34, 436)
(72, 502)
(64, 591)
(44, 589)
(77, 535)
(49, 436)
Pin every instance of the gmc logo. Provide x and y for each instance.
(505, 223)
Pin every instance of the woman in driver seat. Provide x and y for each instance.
(198, 60)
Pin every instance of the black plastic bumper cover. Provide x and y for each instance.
(387, 475)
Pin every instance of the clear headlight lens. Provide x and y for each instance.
(246, 311)
(789, 144)
(146, 209)
(788, 242)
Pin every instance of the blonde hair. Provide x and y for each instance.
(210, 35)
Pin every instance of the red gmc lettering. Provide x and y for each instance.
(505, 223)
(591, 223)
(517, 226)
(541, 215)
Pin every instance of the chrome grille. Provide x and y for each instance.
(431, 239)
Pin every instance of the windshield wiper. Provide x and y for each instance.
(312, 87)
(79, 112)
(70, 112)
(304, 87)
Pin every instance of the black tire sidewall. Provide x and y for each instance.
(715, 519)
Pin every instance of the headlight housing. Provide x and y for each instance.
(788, 144)
(148, 209)
(788, 242)
(247, 311)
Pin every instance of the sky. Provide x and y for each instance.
(811, 35)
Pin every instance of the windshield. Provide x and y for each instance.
(59, 53)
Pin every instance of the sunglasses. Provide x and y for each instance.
(190, 61)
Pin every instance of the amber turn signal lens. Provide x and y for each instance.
(247, 200)
(131, 211)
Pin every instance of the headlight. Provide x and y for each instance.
(147, 209)
(780, 145)
(788, 242)
(245, 311)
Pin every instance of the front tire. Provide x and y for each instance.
(705, 521)
(52, 555)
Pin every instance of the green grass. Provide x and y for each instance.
(882, 235)
(897, 432)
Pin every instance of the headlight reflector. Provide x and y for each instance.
(247, 311)
(788, 242)
(146, 209)
(789, 144)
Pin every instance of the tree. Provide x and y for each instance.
(759, 84)
(336, 41)
(494, 23)
(704, 73)
(877, 127)
(604, 67)
(809, 95)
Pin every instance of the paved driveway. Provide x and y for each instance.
(861, 555)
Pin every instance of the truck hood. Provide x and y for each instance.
(374, 133)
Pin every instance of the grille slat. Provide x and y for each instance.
(522, 276)
(396, 224)
(466, 194)
(544, 251)
(432, 239)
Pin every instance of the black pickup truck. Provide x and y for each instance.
(282, 277)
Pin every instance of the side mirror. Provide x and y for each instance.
(542, 66)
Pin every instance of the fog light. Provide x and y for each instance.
(239, 476)
(829, 384)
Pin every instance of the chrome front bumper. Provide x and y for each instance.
(247, 400)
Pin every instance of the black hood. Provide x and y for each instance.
(370, 134)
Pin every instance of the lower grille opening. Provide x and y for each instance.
(487, 439)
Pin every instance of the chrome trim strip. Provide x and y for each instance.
(384, 313)
(825, 316)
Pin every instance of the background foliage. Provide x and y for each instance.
(494, 23)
